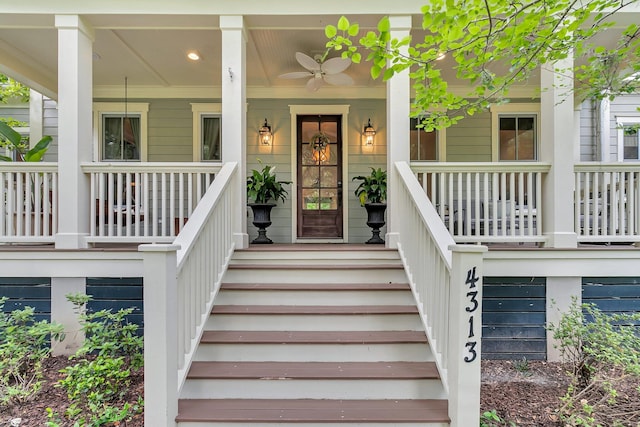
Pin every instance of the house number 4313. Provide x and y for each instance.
(471, 309)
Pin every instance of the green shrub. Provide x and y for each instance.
(108, 333)
(99, 380)
(492, 419)
(24, 344)
(603, 353)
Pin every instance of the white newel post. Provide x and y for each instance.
(160, 292)
(75, 94)
(465, 331)
(234, 107)
(398, 110)
(557, 147)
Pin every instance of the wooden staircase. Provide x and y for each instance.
(314, 336)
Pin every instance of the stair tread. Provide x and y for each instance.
(317, 247)
(316, 286)
(312, 410)
(320, 266)
(313, 370)
(313, 337)
(315, 309)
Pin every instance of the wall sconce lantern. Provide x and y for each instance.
(369, 134)
(266, 136)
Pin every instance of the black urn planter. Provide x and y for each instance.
(262, 220)
(375, 220)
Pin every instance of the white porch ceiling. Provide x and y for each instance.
(150, 50)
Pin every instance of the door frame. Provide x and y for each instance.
(305, 110)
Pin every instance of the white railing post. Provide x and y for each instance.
(465, 330)
(160, 334)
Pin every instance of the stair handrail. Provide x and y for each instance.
(446, 281)
(181, 281)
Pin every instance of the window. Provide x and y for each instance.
(628, 139)
(517, 137)
(210, 142)
(423, 145)
(121, 131)
(514, 132)
(121, 138)
(207, 132)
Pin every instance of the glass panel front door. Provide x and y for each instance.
(319, 177)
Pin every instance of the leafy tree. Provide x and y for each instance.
(11, 89)
(496, 44)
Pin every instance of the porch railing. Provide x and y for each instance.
(29, 202)
(486, 202)
(144, 202)
(607, 202)
(181, 287)
(446, 280)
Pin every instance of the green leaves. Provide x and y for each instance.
(263, 186)
(14, 141)
(493, 45)
(373, 187)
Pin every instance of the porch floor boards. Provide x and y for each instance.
(312, 410)
(133, 247)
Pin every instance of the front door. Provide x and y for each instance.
(319, 160)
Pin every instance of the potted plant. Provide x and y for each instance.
(262, 187)
(372, 193)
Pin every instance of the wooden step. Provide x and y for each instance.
(249, 411)
(315, 294)
(297, 265)
(313, 370)
(334, 287)
(314, 309)
(313, 337)
(313, 380)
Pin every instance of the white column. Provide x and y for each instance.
(36, 117)
(234, 118)
(63, 312)
(75, 92)
(465, 332)
(398, 110)
(561, 291)
(557, 147)
(604, 123)
(160, 293)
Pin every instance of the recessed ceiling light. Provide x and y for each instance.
(193, 55)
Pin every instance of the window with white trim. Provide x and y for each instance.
(628, 139)
(120, 131)
(514, 132)
(517, 137)
(207, 132)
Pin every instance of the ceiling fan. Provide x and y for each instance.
(319, 72)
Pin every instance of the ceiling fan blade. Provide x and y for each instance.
(335, 65)
(340, 79)
(307, 62)
(295, 75)
(314, 83)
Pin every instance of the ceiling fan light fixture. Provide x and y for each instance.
(194, 55)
